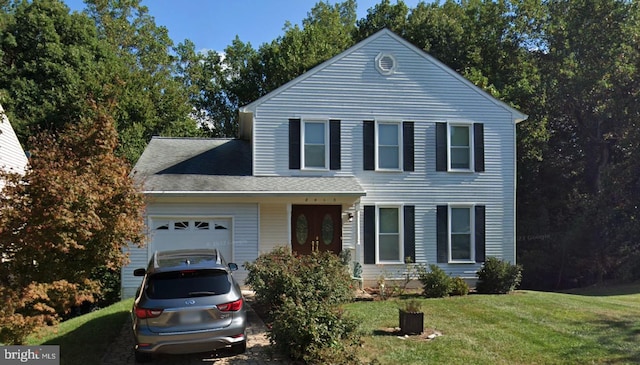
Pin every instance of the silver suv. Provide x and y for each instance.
(188, 302)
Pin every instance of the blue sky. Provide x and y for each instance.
(213, 24)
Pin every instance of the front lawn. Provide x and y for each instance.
(525, 327)
(597, 327)
(84, 339)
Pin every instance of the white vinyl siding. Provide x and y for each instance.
(12, 156)
(274, 226)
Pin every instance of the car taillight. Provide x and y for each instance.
(143, 313)
(231, 306)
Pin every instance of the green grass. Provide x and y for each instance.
(525, 327)
(84, 339)
(600, 325)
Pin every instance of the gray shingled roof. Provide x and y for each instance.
(223, 167)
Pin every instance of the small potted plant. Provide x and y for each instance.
(411, 317)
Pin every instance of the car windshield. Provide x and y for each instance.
(188, 283)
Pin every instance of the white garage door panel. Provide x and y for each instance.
(181, 233)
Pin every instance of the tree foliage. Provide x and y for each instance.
(51, 61)
(150, 101)
(582, 194)
(571, 65)
(75, 210)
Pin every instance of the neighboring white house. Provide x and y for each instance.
(12, 156)
(381, 150)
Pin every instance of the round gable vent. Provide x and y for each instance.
(386, 64)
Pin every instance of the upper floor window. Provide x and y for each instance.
(389, 142)
(315, 151)
(314, 144)
(460, 147)
(388, 146)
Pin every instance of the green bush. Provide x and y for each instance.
(459, 287)
(302, 295)
(314, 332)
(110, 284)
(320, 276)
(498, 277)
(435, 283)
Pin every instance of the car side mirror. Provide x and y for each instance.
(233, 266)
(139, 272)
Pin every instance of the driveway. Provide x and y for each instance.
(120, 352)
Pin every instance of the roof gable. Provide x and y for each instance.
(517, 116)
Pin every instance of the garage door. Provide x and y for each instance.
(181, 233)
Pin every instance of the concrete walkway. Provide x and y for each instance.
(120, 352)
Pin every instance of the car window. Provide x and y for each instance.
(188, 283)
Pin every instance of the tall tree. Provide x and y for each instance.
(383, 15)
(590, 74)
(74, 210)
(51, 61)
(150, 100)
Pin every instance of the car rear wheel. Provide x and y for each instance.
(142, 357)
(239, 348)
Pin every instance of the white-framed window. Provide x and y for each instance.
(389, 235)
(388, 146)
(461, 233)
(460, 145)
(315, 151)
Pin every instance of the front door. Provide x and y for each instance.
(316, 228)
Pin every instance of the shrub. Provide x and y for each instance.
(314, 333)
(435, 283)
(411, 306)
(317, 277)
(498, 277)
(110, 283)
(37, 305)
(459, 287)
(302, 295)
(271, 276)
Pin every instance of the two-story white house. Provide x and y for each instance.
(381, 150)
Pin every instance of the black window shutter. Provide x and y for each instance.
(334, 145)
(369, 234)
(294, 144)
(442, 229)
(478, 146)
(441, 146)
(368, 140)
(408, 146)
(409, 233)
(480, 233)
